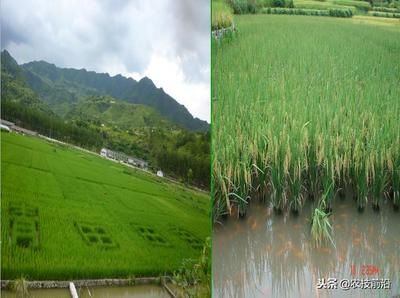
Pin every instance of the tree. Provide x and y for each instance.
(190, 175)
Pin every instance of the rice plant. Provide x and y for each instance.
(222, 16)
(20, 287)
(67, 214)
(321, 229)
(306, 108)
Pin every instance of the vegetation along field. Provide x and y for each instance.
(69, 214)
(306, 107)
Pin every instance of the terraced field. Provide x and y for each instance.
(68, 214)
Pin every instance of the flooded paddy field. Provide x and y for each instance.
(270, 255)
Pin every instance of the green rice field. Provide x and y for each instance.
(67, 214)
(306, 108)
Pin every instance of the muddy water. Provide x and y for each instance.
(139, 291)
(269, 255)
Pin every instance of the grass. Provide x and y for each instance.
(321, 229)
(68, 214)
(221, 15)
(310, 4)
(304, 107)
(353, 5)
(20, 287)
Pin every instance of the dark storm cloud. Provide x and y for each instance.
(117, 36)
(191, 19)
(96, 30)
(9, 34)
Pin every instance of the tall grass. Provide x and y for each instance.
(221, 14)
(303, 108)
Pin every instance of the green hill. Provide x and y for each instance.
(107, 110)
(66, 85)
(15, 89)
(70, 114)
(60, 88)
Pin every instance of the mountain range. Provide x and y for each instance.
(71, 93)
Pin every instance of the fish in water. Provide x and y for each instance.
(357, 241)
(299, 254)
(286, 247)
(342, 258)
(297, 226)
(324, 250)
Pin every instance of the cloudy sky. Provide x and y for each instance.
(166, 40)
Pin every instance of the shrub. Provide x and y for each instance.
(241, 6)
(385, 9)
(360, 5)
(385, 14)
(344, 13)
(221, 15)
(278, 3)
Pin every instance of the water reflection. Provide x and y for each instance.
(268, 255)
(138, 291)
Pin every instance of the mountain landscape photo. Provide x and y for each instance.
(96, 110)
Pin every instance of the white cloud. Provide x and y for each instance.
(166, 40)
(166, 72)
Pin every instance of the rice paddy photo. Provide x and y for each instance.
(62, 209)
(105, 149)
(304, 121)
(306, 128)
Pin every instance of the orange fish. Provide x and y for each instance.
(324, 249)
(357, 241)
(299, 254)
(297, 226)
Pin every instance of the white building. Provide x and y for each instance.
(160, 173)
(123, 158)
(5, 128)
(103, 152)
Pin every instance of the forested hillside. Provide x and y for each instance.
(80, 116)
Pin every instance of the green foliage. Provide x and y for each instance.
(194, 276)
(278, 3)
(189, 154)
(309, 4)
(50, 125)
(321, 229)
(311, 125)
(361, 5)
(62, 87)
(221, 15)
(385, 9)
(243, 6)
(81, 208)
(113, 112)
(94, 122)
(385, 14)
(20, 287)
(344, 13)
